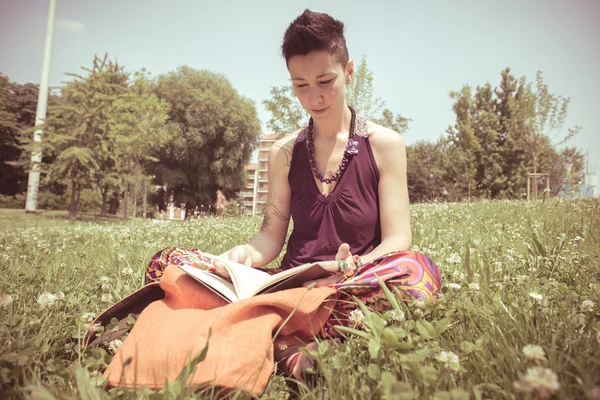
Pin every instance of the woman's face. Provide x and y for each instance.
(319, 82)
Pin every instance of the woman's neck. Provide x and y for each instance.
(337, 124)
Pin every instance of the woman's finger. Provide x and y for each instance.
(325, 281)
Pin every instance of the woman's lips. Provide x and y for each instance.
(319, 111)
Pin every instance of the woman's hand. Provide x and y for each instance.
(239, 254)
(343, 254)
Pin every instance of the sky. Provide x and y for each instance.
(418, 51)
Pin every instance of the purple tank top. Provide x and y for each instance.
(349, 214)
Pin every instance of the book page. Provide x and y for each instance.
(214, 282)
(303, 273)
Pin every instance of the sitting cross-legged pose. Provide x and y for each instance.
(343, 182)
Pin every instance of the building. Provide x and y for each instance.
(249, 192)
(254, 195)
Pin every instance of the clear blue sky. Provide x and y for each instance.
(417, 50)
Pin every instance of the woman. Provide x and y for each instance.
(342, 180)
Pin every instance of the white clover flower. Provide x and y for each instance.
(5, 300)
(587, 305)
(107, 297)
(534, 352)
(113, 345)
(454, 286)
(46, 299)
(59, 296)
(542, 382)
(453, 259)
(474, 286)
(127, 271)
(89, 327)
(282, 346)
(357, 317)
(397, 315)
(87, 317)
(105, 286)
(498, 285)
(449, 360)
(536, 296)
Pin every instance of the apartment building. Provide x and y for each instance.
(255, 193)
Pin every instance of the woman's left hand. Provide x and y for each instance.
(344, 255)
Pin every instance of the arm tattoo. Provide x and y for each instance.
(287, 150)
(269, 212)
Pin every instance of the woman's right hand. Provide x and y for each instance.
(239, 254)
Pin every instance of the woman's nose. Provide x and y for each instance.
(315, 96)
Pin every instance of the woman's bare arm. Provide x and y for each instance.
(266, 245)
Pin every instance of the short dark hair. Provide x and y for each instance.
(314, 31)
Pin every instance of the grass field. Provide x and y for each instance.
(519, 316)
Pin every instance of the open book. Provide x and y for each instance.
(247, 282)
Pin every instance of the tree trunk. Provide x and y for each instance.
(135, 189)
(114, 203)
(125, 199)
(104, 201)
(145, 200)
(73, 205)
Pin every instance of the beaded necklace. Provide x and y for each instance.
(351, 149)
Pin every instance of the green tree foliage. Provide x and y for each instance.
(427, 173)
(79, 129)
(17, 118)
(216, 130)
(287, 115)
(502, 134)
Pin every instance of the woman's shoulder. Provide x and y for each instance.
(382, 138)
(282, 149)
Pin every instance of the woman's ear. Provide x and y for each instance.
(349, 71)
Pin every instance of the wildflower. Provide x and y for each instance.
(534, 352)
(418, 312)
(454, 286)
(5, 300)
(542, 382)
(453, 259)
(127, 271)
(46, 299)
(498, 285)
(282, 346)
(474, 286)
(105, 286)
(449, 360)
(113, 345)
(107, 297)
(87, 317)
(59, 296)
(587, 305)
(89, 327)
(357, 317)
(397, 315)
(536, 296)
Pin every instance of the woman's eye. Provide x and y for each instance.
(300, 86)
(326, 82)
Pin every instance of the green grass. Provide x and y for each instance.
(500, 253)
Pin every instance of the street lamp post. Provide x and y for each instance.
(40, 116)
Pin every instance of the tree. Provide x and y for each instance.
(216, 130)
(426, 170)
(79, 129)
(17, 118)
(287, 115)
(139, 130)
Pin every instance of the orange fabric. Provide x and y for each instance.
(171, 331)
